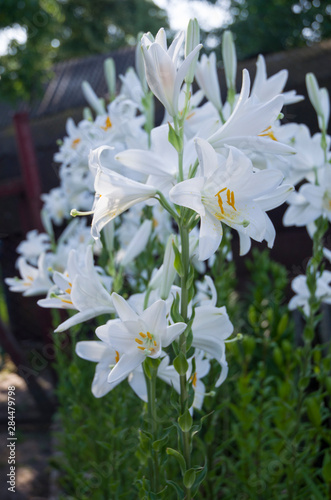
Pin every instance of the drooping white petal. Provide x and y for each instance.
(92, 350)
(126, 364)
(210, 236)
(171, 333)
(82, 316)
(138, 383)
(188, 194)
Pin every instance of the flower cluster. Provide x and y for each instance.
(163, 200)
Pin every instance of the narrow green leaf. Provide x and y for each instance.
(179, 457)
(179, 491)
(158, 445)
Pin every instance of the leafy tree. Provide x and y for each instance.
(264, 26)
(60, 29)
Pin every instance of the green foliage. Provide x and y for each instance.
(260, 26)
(57, 31)
(267, 437)
(264, 432)
(92, 460)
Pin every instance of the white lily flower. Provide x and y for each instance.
(106, 358)
(301, 299)
(230, 192)
(34, 245)
(81, 289)
(115, 194)
(161, 162)
(211, 327)
(34, 280)
(266, 88)
(249, 126)
(132, 88)
(137, 336)
(300, 212)
(309, 159)
(207, 78)
(310, 202)
(168, 374)
(206, 292)
(137, 244)
(162, 75)
(57, 205)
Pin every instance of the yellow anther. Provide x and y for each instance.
(68, 290)
(139, 341)
(142, 348)
(30, 278)
(117, 357)
(190, 115)
(75, 143)
(143, 335)
(155, 343)
(108, 124)
(221, 191)
(219, 199)
(230, 199)
(66, 301)
(149, 336)
(268, 133)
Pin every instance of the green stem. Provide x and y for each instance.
(151, 395)
(312, 273)
(186, 437)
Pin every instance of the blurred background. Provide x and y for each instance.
(47, 49)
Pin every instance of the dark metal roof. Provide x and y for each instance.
(64, 92)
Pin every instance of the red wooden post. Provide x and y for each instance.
(29, 167)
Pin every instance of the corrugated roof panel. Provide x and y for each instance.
(64, 90)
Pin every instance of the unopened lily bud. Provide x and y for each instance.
(136, 245)
(109, 232)
(191, 41)
(319, 99)
(169, 271)
(110, 75)
(47, 223)
(229, 59)
(87, 114)
(314, 92)
(92, 98)
(207, 78)
(140, 65)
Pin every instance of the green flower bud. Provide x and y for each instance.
(185, 421)
(110, 75)
(191, 41)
